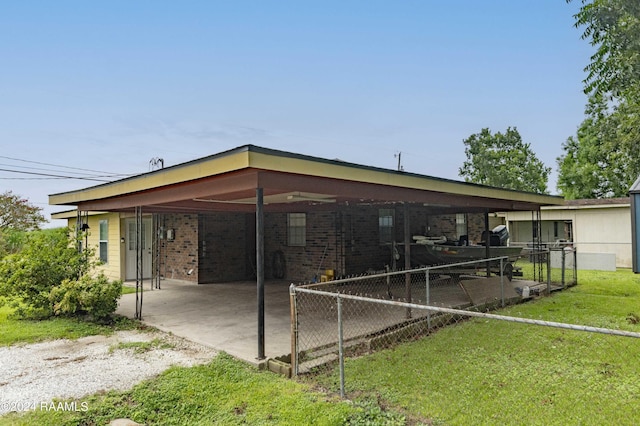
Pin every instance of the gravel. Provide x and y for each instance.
(35, 374)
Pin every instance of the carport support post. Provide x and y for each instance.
(487, 241)
(260, 268)
(407, 256)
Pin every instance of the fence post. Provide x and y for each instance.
(575, 265)
(428, 298)
(294, 330)
(502, 281)
(548, 272)
(340, 346)
(564, 265)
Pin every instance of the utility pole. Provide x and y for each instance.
(399, 156)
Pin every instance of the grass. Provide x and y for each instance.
(141, 347)
(14, 330)
(493, 372)
(476, 372)
(224, 392)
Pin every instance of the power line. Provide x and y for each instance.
(53, 170)
(94, 178)
(53, 165)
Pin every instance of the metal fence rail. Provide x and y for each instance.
(334, 319)
(345, 333)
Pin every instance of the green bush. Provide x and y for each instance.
(11, 241)
(36, 278)
(96, 297)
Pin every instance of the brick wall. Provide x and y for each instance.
(223, 247)
(363, 250)
(321, 252)
(220, 247)
(181, 254)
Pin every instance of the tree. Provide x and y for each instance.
(613, 28)
(602, 160)
(504, 161)
(18, 214)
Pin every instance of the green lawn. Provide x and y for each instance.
(29, 331)
(474, 373)
(494, 372)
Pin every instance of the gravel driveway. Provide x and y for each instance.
(34, 374)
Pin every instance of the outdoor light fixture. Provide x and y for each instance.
(84, 227)
(300, 197)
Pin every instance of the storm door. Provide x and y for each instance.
(130, 241)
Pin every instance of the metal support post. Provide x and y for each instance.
(340, 346)
(548, 255)
(260, 268)
(428, 298)
(502, 281)
(294, 330)
(407, 256)
(139, 263)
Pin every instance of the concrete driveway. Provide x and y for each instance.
(221, 316)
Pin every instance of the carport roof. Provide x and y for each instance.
(227, 181)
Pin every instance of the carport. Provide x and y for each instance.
(256, 180)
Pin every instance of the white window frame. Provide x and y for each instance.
(103, 241)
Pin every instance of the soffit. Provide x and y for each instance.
(228, 181)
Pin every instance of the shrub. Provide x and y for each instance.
(96, 297)
(47, 260)
(11, 241)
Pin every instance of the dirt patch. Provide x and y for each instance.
(35, 374)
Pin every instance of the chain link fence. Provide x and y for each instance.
(362, 314)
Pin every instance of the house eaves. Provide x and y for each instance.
(249, 167)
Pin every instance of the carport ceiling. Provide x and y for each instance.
(290, 182)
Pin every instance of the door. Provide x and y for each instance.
(130, 258)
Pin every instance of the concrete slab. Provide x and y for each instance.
(221, 316)
(488, 290)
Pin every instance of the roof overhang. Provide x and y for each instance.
(228, 182)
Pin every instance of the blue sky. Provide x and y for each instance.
(109, 85)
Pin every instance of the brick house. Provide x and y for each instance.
(257, 213)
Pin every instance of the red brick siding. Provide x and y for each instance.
(223, 247)
(321, 252)
(181, 254)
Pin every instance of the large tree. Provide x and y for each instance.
(503, 160)
(613, 28)
(16, 213)
(603, 159)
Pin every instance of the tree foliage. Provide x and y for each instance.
(613, 28)
(18, 214)
(603, 159)
(504, 161)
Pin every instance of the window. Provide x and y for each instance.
(461, 225)
(297, 229)
(385, 225)
(104, 241)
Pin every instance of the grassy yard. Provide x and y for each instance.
(29, 331)
(493, 372)
(474, 373)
